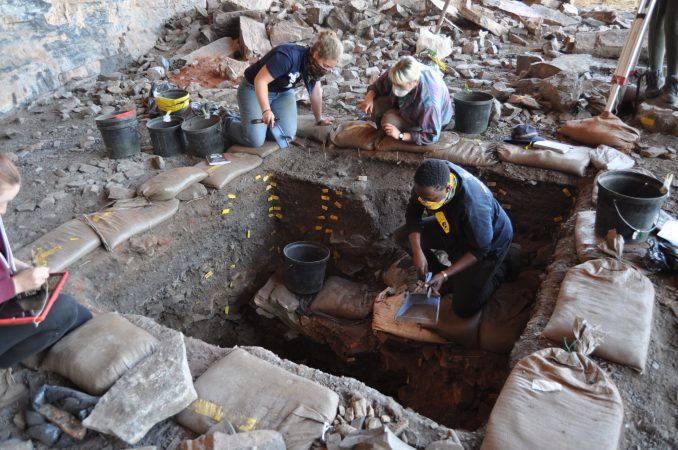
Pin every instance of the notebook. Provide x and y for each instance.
(35, 307)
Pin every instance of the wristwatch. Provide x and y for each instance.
(401, 136)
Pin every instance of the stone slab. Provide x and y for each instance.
(253, 38)
(218, 49)
(257, 439)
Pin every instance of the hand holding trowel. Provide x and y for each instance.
(276, 130)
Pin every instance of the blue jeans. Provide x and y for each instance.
(243, 132)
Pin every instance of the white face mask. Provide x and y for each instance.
(400, 92)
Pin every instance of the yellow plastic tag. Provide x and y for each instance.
(318, 228)
(324, 207)
(211, 169)
(558, 219)
(273, 197)
(249, 234)
(337, 204)
(325, 190)
(269, 187)
(442, 220)
(328, 230)
(208, 275)
(506, 206)
(338, 193)
(325, 197)
(231, 195)
(567, 192)
(333, 217)
(647, 121)
(279, 216)
(491, 183)
(74, 238)
(249, 425)
(258, 177)
(227, 309)
(321, 217)
(208, 409)
(225, 211)
(502, 192)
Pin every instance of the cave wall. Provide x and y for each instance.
(47, 43)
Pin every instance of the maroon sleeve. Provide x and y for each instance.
(7, 290)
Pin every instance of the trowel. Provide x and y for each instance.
(420, 307)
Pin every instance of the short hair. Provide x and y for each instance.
(9, 174)
(327, 46)
(433, 173)
(405, 71)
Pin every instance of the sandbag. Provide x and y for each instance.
(574, 161)
(556, 399)
(126, 218)
(605, 129)
(355, 134)
(167, 185)
(97, 354)
(507, 312)
(589, 245)
(308, 128)
(344, 299)
(62, 246)
(220, 176)
(385, 308)
(613, 296)
(262, 152)
(467, 152)
(448, 139)
(608, 158)
(254, 394)
(453, 328)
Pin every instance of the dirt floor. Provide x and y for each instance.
(198, 272)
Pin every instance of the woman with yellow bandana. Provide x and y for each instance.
(452, 211)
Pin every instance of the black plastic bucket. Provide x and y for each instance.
(167, 137)
(629, 202)
(472, 112)
(119, 131)
(203, 136)
(305, 265)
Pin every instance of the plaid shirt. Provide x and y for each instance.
(428, 105)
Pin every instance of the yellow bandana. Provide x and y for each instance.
(433, 206)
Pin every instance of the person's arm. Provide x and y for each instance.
(20, 265)
(317, 105)
(367, 105)
(431, 127)
(467, 260)
(261, 82)
(413, 222)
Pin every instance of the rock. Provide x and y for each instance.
(254, 5)
(338, 20)
(193, 192)
(553, 17)
(115, 191)
(158, 162)
(524, 62)
(224, 47)
(447, 444)
(524, 100)
(442, 45)
(561, 91)
(653, 152)
(602, 44)
(657, 119)
(512, 37)
(61, 173)
(109, 76)
(156, 389)
(87, 168)
(19, 420)
(232, 69)
(373, 423)
(283, 32)
(155, 73)
(569, 8)
(483, 18)
(253, 38)
(27, 206)
(17, 444)
(578, 64)
(470, 48)
(47, 202)
(316, 15)
(501, 92)
(344, 429)
(257, 439)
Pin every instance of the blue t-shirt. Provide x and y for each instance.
(285, 63)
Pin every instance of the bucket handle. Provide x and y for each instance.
(636, 230)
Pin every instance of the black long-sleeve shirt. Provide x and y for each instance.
(478, 224)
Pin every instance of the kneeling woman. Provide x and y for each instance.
(410, 102)
(267, 90)
(18, 342)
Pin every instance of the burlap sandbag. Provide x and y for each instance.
(589, 245)
(62, 246)
(308, 128)
(385, 308)
(126, 218)
(447, 141)
(254, 394)
(166, 185)
(95, 355)
(556, 399)
(613, 296)
(344, 299)
(607, 158)
(220, 176)
(262, 152)
(467, 152)
(574, 161)
(355, 134)
(605, 129)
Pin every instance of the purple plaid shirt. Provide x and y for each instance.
(428, 105)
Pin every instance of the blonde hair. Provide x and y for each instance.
(327, 46)
(9, 174)
(405, 71)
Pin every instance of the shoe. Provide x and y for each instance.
(655, 83)
(670, 96)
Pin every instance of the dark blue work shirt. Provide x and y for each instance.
(285, 63)
(477, 222)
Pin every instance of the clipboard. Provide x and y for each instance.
(38, 308)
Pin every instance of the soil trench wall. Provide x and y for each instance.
(46, 44)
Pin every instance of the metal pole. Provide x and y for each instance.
(442, 17)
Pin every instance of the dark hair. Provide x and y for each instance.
(432, 173)
(9, 174)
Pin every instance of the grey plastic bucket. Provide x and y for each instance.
(120, 134)
(167, 137)
(203, 136)
(472, 112)
(629, 202)
(305, 266)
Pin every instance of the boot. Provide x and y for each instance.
(655, 82)
(671, 92)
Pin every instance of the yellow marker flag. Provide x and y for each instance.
(225, 211)
(231, 195)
